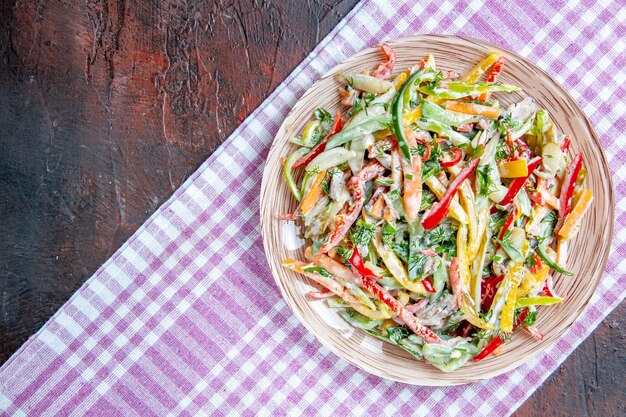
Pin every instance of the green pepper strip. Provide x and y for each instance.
(558, 268)
(287, 172)
(400, 101)
(537, 301)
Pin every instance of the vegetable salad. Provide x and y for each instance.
(436, 215)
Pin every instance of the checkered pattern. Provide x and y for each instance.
(185, 317)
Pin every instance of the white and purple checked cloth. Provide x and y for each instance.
(185, 318)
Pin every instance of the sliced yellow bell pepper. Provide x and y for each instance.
(508, 312)
(407, 119)
(394, 265)
(481, 67)
(513, 169)
(382, 312)
(456, 211)
(531, 280)
(400, 79)
(467, 305)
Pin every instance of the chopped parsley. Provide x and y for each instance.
(362, 233)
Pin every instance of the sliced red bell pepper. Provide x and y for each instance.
(565, 145)
(428, 285)
(367, 281)
(439, 210)
(357, 262)
(385, 69)
(319, 148)
(518, 183)
(567, 189)
(508, 222)
(489, 288)
(538, 266)
(497, 341)
(507, 225)
(457, 154)
(496, 69)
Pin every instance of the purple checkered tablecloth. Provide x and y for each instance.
(185, 318)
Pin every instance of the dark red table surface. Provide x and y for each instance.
(106, 107)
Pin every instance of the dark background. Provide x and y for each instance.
(106, 107)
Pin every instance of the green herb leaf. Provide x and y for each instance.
(384, 181)
(485, 181)
(531, 318)
(323, 115)
(362, 233)
(389, 235)
(397, 333)
(317, 270)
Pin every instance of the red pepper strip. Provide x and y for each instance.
(489, 288)
(456, 158)
(547, 288)
(319, 148)
(428, 285)
(538, 266)
(320, 295)
(385, 69)
(497, 341)
(439, 210)
(367, 282)
(508, 222)
(567, 189)
(357, 262)
(565, 145)
(496, 70)
(518, 183)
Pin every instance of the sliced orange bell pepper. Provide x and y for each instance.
(575, 216)
(471, 108)
(314, 193)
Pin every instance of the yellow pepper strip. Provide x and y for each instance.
(513, 169)
(456, 211)
(386, 324)
(314, 193)
(394, 265)
(477, 269)
(472, 108)
(539, 212)
(459, 276)
(481, 67)
(466, 196)
(531, 280)
(412, 116)
(400, 79)
(407, 119)
(508, 312)
(382, 312)
(403, 297)
(574, 218)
